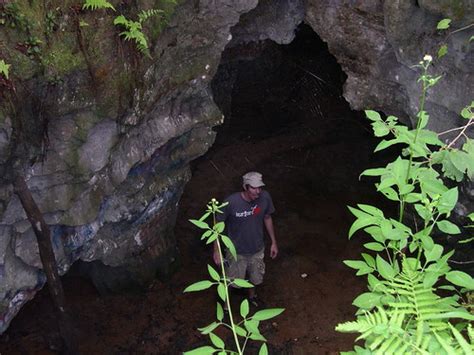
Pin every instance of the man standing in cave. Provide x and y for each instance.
(245, 215)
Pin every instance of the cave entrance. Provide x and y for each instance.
(286, 118)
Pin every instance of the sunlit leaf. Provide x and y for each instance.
(263, 349)
(213, 273)
(367, 300)
(218, 342)
(199, 224)
(267, 313)
(373, 115)
(434, 253)
(203, 350)
(219, 312)
(221, 291)
(374, 246)
(384, 268)
(443, 24)
(209, 328)
(448, 200)
(460, 278)
(448, 227)
(242, 283)
(229, 245)
(199, 286)
(244, 308)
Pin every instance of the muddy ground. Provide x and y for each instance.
(312, 172)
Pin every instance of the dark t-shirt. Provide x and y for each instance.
(244, 221)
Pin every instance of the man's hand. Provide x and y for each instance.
(216, 256)
(274, 250)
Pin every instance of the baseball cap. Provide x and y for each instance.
(253, 179)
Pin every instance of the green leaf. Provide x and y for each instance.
(460, 278)
(240, 331)
(229, 245)
(257, 337)
(374, 211)
(369, 259)
(443, 24)
(454, 314)
(373, 115)
(356, 264)
(206, 234)
(374, 246)
(242, 283)
(374, 172)
(244, 308)
(464, 344)
(199, 224)
(252, 326)
(367, 300)
(430, 279)
(209, 328)
(384, 268)
(380, 129)
(434, 253)
(423, 212)
(360, 223)
(448, 200)
(389, 193)
(213, 273)
(448, 227)
(267, 313)
(216, 341)
(221, 291)
(423, 117)
(442, 51)
(204, 216)
(219, 227)
(203, 350)
(199, 286)
(263, 349)
(219, 312)
(385, 144)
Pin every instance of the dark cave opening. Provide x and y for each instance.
(264, 88)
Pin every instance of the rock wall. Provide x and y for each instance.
(104, 135)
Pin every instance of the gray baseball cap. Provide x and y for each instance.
(253, 179)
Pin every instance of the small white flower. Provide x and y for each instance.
(428, 58)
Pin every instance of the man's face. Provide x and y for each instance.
(253, 192)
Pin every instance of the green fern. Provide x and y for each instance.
(133, 29)
(413, 320)
(97, 4)
(146, 14)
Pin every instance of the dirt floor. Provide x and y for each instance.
(312, 172)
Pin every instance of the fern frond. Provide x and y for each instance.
(146, 14)
(97, 4)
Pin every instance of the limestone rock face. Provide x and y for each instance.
(105, 139)
(112, 173)
(378, 43)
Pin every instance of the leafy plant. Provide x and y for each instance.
(248, 327)
(404, 312)
(97, 4)
(133, 29)
(4, 68)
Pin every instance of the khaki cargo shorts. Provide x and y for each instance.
(251, 266)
